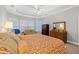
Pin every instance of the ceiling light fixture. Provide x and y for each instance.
(38, 9)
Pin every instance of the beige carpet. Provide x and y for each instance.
(73, 49)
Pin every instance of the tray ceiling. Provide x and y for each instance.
(36, 10)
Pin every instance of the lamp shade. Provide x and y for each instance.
(9, 24)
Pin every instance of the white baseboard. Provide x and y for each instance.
(76, 43)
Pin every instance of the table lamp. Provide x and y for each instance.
(9, 26)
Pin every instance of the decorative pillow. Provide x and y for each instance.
(17, 31)
(9, 41)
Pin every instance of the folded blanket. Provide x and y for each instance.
(9, 41)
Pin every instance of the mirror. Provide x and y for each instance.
(59, 26)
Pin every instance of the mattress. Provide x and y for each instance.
(40, 44)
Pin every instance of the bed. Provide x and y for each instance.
(33, 44)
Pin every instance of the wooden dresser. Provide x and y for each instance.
(59, 35)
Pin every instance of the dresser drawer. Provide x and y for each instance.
(59, 35)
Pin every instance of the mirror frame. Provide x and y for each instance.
(60, 23)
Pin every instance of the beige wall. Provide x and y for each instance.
(71, 18)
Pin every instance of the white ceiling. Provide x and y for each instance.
(36, 10)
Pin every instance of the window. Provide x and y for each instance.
(39, 26)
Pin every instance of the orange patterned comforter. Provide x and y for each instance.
(41, 44)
